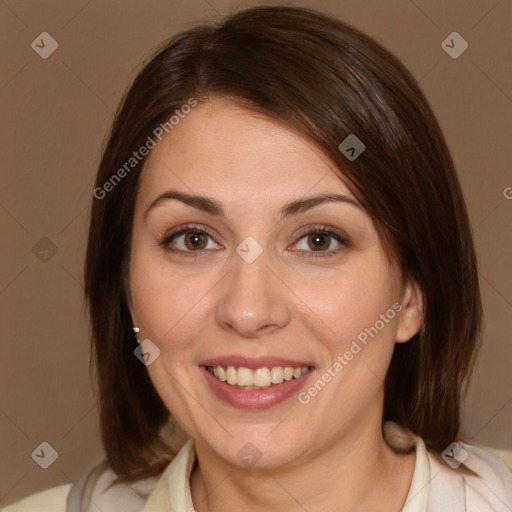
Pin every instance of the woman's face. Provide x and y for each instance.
(261, 288)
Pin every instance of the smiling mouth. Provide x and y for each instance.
(261, 378)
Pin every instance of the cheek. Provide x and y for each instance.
(168, 306)
(353, 305)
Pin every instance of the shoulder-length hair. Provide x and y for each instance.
(327, 80)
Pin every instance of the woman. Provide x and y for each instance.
(280, 267)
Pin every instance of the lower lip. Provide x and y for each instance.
(254, 398)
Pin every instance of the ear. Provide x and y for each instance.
(411, 315)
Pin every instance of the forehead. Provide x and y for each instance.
(236, 155)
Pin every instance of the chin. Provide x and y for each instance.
(260, 448)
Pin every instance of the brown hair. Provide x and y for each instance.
(327, 80)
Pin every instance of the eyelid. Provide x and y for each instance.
(186, 228)
(323, 228)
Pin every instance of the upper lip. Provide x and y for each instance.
(253, 363)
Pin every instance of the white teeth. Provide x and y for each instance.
(221, 373)
(231, 375)
(260, 378)
(244, 377)
(288, 373)
(277, 374)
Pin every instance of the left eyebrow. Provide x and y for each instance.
(213, 207)
(302, 205)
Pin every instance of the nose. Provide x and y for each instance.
(253, 300)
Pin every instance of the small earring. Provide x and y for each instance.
(136, 331)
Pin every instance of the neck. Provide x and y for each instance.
(357, 472)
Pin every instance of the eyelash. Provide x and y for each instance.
(324, 230)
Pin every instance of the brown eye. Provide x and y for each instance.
(195, 240)
(319, 241)
(190, 241)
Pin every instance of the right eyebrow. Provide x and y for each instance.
(205, 204)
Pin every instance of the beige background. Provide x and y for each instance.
(55, 113)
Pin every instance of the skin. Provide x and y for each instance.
(328, 454)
